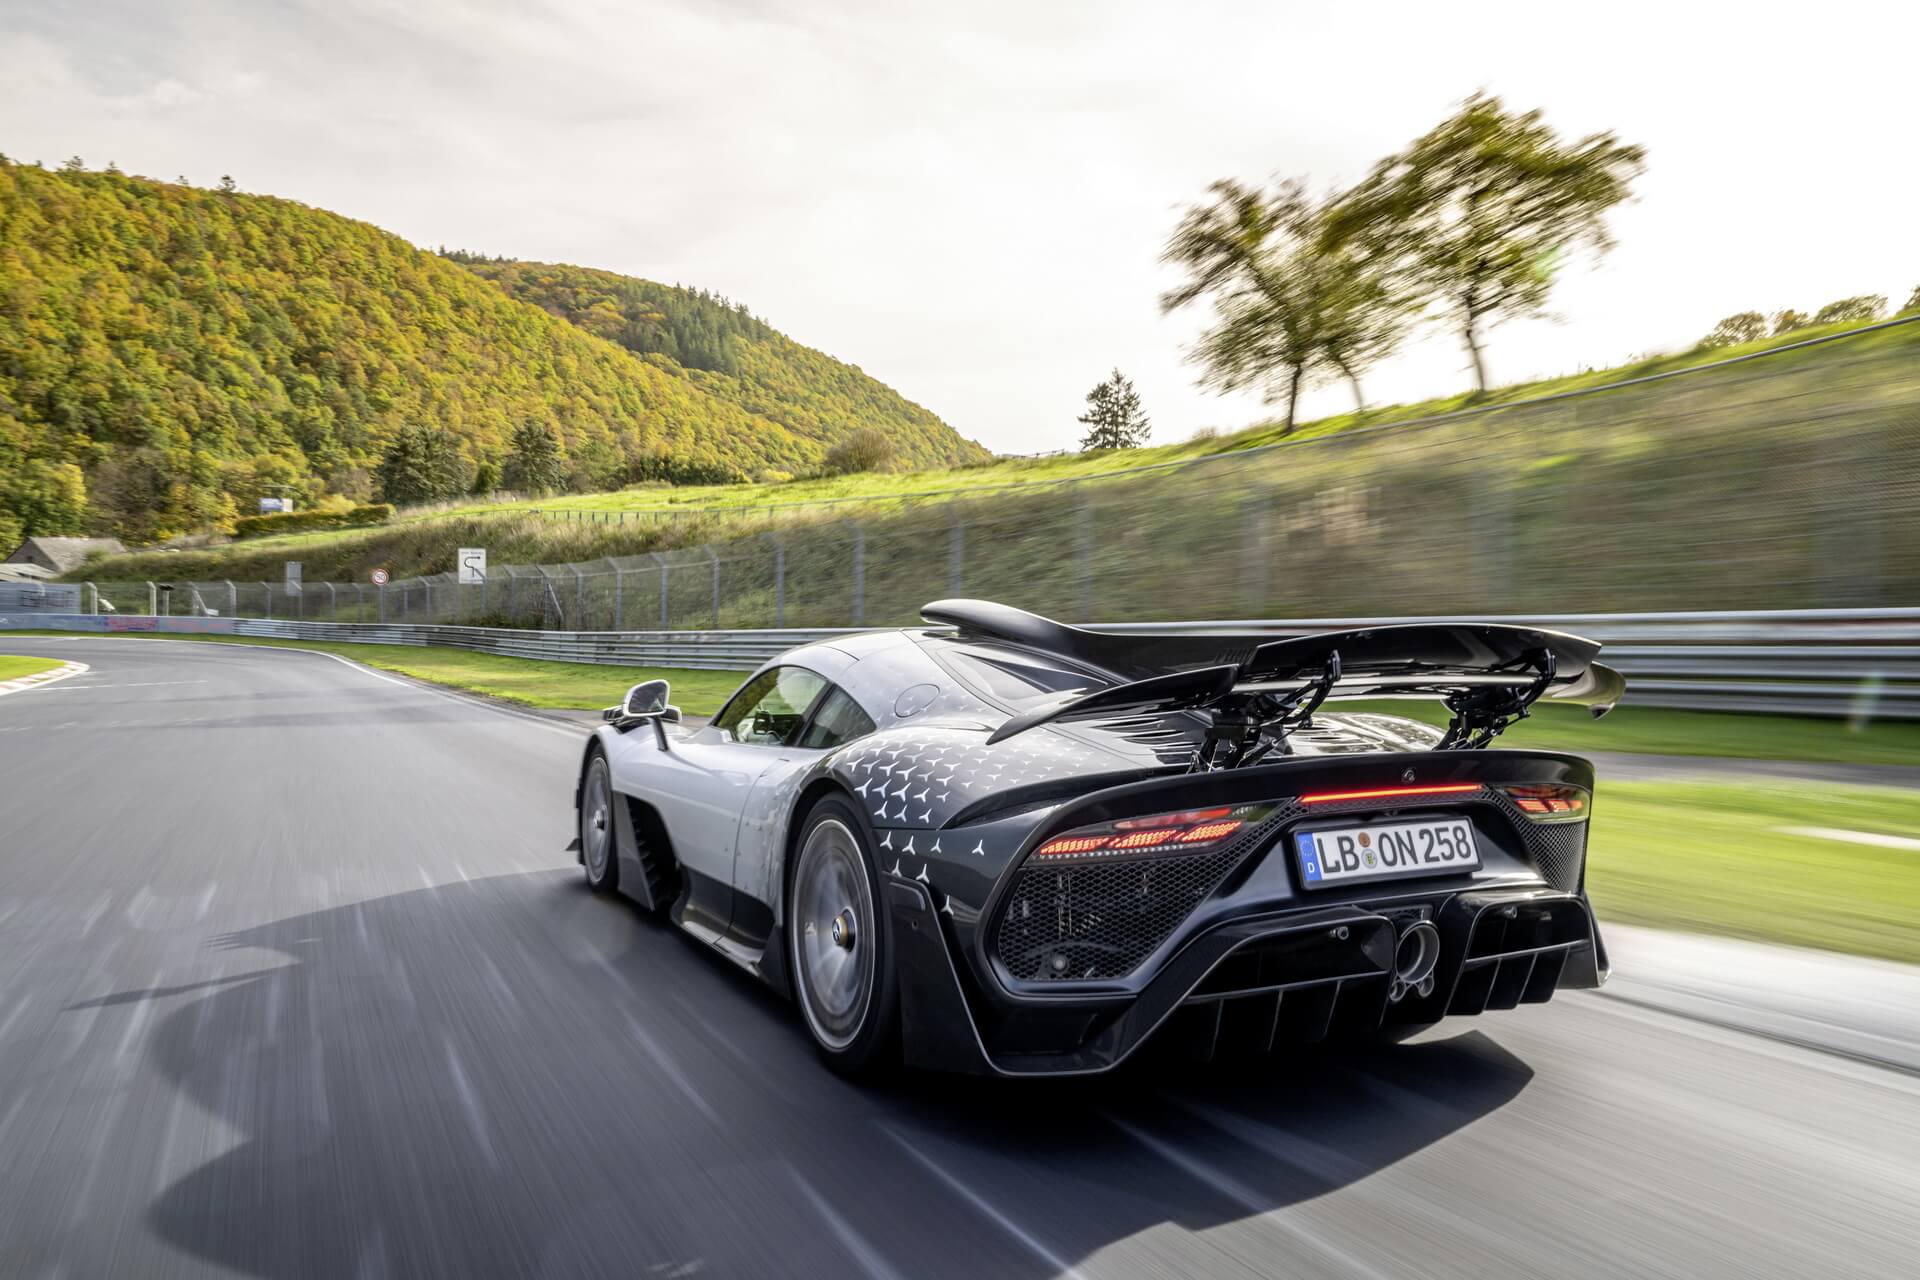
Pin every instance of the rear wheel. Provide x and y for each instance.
(596, 826)
(840, 943)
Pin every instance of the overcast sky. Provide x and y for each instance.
(968, 199)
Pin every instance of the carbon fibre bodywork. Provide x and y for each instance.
(1239, 951)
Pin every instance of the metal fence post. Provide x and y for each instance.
(715, 557)
(153, 600)
(859, 576)
(333, 604)
(663, 590)
(382, 588)
(619, 590)
(779, 580)
(579, 600)
(233, 599)
(266, 600)
(427, 586)
(93, 598)
(956, 548)
(1082, 557)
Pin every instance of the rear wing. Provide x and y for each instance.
(1487, 674)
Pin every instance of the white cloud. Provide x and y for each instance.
(968, 200)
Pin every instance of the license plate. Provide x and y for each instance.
(1386, 852)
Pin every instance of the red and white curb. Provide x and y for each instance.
(39, 678)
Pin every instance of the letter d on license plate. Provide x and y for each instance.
(1390, 851)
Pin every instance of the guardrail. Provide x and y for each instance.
(1860, 663)
(698, 650)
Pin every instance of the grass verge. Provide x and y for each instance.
(12, 667)
(575, 686)
(1714, 858)
(1664, 731)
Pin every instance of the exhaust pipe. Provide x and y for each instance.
(1414, 958)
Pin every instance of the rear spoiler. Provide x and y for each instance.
(1488, 675)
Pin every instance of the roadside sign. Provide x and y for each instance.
(270, 506)
(472, 563)
(293, 577)
(379, 577)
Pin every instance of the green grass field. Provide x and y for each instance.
(13, 667)
(1713, 858)
(1662, 731)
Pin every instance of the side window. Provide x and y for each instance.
(838, 720)
(771, 709)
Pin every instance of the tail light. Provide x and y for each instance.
(1550, 801)
(1390, 793)
(1157, 835)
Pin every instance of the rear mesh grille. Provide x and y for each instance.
(1100, 920)
(1557, 849)
(1088, 922)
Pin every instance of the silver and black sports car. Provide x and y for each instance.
(1003, 845)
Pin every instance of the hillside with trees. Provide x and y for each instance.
(732, 355)
(169, 355)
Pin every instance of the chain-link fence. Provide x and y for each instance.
(1752, 485)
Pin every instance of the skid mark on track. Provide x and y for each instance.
(857, 1246)
(94, 912)
(470, 1103)
(1335, 1168)
(1261, 1207)
(137, 1024)
(984, 1207)
(6, 1024)
(671, 1069)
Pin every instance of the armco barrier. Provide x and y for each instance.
(1862, 663)
(700, 650)
(115, 622)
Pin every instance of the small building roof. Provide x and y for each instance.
(62, 555)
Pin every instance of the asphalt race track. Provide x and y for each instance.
(297, 978)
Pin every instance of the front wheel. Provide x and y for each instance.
(596, 826)
(840, 943)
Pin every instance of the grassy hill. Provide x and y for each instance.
(731, 355)
(169, 354)
(1875, 376)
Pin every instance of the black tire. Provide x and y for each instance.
(598, 851)
(840, 943)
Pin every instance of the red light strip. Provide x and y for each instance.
(1384, 793)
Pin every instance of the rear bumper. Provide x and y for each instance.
(1255, 983)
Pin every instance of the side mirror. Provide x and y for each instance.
(647, 699)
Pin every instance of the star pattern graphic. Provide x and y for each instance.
(918, 779)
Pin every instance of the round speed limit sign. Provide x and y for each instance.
(379, 577)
